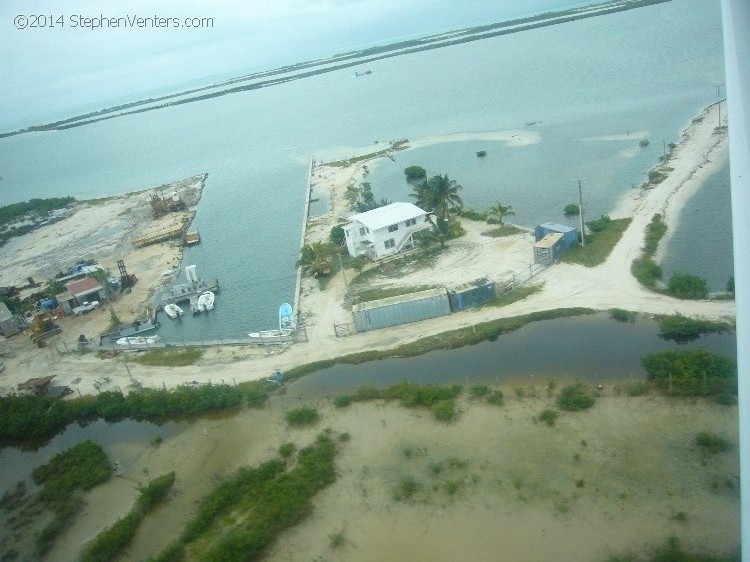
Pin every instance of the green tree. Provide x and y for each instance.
(500, 211)
(315, 258)
(337, 236)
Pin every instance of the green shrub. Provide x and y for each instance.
(711, 443)
(337, 236)
(548, 416)
(306, 415)
(572, 209)
(479, 390)
(655, 231)
(683, 329)
(692, 372)
(600, 224)
(685, 286)
(287, 450)
(636, 388)
(342, 400)
(622, 315)
(406, 489)
(647, 271)
(575, 398)
(496, 398)
(444, 410)
(415, 173)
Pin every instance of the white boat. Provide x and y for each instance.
(172, 310)
(137, 340)
(206, 301)
(265, 334)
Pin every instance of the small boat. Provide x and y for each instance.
(172, 310)
(285, 316)
(265, 334)
(137, 340)
(206, 301)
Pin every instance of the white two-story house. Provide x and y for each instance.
(384, 231)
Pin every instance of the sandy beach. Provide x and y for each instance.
(472, 256)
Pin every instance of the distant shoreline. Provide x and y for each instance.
(339, 62)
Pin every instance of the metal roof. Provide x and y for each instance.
(83, 287)
(429, 293)
(556, 227)
(388, 215)
(4, 312)
(549, 240)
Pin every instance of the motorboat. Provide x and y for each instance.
(206, 301)
(172, 310)
(285, 316)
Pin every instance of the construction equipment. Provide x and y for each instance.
(126, 280)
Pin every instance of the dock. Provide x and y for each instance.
(165, 228)
(192, 238)
(305, 216)
(185, 291)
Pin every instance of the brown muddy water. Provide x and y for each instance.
(494, 485)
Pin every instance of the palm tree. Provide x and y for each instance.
(438, 195)
(500, 212)
(315, 258)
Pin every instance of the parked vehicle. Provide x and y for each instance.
(86, 307)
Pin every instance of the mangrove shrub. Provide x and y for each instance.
(692, 372)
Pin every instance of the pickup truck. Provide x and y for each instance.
(86, 307)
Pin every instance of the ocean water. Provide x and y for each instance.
(638, 72)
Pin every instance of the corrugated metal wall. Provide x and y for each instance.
(382, 314)
(471, 294)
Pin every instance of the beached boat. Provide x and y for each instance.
(137, 340)
(173, 311)
(285, 316)
(206, 301)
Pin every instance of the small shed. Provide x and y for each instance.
(569, 234)
(66, 300)
(394, 311)
(471, 294)
(549, 248)
(8, 323)
(86, 289)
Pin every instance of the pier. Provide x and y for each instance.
(305, 216)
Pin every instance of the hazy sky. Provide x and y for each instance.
(62, 66)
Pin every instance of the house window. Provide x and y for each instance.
(390, 244)
(362, 231)
(411, 222)
(393, 228)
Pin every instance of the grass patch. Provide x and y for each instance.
(636, 388)
(406, 488)
(62, 480)
(264, 502)
(300, 417)
(598, 244)
(504, 230)
(342, 401)
(671, 551)
(110, 543)
(396, 268)
(517, 294)
(170, 357)
(479, 390)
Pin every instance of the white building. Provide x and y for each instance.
(384, 231)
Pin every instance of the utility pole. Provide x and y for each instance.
(718, 95)
(341, 265)
(580, 211)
